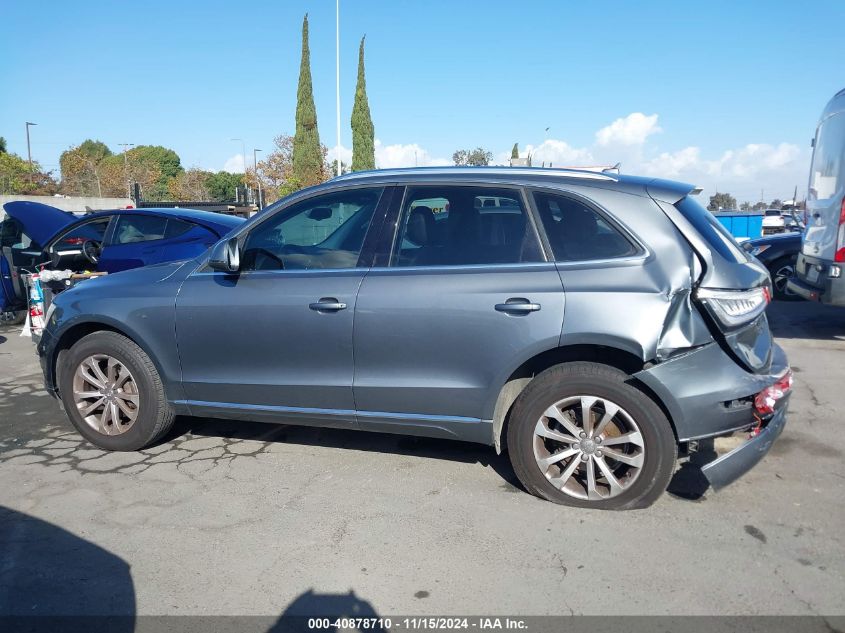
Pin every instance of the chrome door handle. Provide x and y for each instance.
(517, 306)
(327, 304)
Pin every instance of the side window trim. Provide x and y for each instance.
(641, 250)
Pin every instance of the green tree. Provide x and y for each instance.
(2, 145)
(152, 166)
(307, 159)
(515, 151)
(363, 133)
(777, 203)
(478, 157)
(223, 185)
(15, 177)
(721, 201)
(80, 168)
(745, 206)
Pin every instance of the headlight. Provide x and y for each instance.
(733, 308)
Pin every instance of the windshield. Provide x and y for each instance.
(828, 169)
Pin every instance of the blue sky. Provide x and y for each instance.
(725, 94)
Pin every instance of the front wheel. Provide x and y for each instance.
(580, 435)
(112, 393)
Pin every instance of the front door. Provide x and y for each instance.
(275, 339)
(466, 297)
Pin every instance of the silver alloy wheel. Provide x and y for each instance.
(588, 447)
(106, 394)
(781, 276)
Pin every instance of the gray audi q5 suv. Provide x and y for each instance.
(595, 326)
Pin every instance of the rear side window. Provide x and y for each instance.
(576, 232)
(828, 170)
(716, 235)
(464, 226)
(175, 228)
(139, 228)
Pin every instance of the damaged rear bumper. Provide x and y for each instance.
(731, 466)
(708, 395)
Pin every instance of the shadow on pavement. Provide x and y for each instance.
(324, 605)
(806, 320)
(49, 576)
(429, 448)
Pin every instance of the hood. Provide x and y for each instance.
(40, 222)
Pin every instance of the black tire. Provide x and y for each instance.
(155, 415)
(775, 269)
(592, 379)
(13, 318)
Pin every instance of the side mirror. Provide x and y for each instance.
(226, 256)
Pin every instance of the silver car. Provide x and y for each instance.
(595, 326)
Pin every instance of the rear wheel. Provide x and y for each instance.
(113, 394)
(580, 435)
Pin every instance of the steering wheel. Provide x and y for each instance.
(91, 251)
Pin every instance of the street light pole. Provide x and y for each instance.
(257, 179)
(337, 80)
(28, 150)
(126, 166)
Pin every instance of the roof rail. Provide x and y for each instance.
(523, 171)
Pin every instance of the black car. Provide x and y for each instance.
(779, 254)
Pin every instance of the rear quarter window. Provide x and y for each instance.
(716, 235)
(828, 169)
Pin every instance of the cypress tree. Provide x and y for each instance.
(307, 155)
(515, 151)
(363, 133)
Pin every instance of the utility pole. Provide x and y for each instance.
(337, 80)
(126, 167)
(28, 150)
(257, 179)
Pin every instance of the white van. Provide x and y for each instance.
(818, 272)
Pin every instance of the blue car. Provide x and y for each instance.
(107, 241)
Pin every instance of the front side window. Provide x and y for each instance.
(576, 232)
(325, 231)
(139, 228)
(90, 231)
(463, 225)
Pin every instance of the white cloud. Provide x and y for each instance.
(345, 155)
(672, 164)
(234, 164)
(409, 155)
(558, 154)
(633, 129)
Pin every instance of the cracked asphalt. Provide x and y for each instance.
(236, 518)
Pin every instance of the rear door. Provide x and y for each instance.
(463, 295)
(825, 222)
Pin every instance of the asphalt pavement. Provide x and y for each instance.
(236, 518)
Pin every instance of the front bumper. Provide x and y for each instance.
(45, 348)
(729, 467)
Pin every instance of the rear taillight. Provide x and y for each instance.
(733, 308)
(839, 256)
(766, 400)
